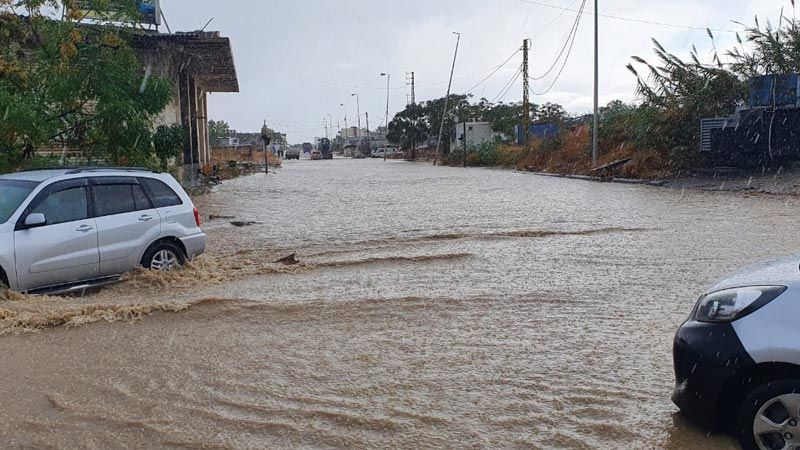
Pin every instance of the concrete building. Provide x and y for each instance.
(196, 63)
(476, 133)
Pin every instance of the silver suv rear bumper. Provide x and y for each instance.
(195, 245)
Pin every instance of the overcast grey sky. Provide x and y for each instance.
(282, 46)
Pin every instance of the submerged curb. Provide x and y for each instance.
(602, 179)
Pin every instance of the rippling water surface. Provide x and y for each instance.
(433, 307)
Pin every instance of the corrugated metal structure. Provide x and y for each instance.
(539, 131)
(765, 132)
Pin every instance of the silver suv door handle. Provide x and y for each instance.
(145, 218)
(85, 229)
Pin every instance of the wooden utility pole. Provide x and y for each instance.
(596, 121)
(446, 101)
(526, 100)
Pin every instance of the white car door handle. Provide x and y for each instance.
(145, 218)
(85, 229)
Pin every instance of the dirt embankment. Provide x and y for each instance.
(571, 158)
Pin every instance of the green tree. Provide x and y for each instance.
(505, 117)
(169, 142)
(410, 128)
(683, 92)
(219, 129)
(550, 113)
(80, 85)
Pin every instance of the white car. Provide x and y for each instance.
(389, 151)
(68, 229)
(737, 357)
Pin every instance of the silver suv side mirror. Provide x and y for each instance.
(35, 220)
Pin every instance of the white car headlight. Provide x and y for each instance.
(733, 304)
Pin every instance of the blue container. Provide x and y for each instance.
(543, 131)
(773, 90)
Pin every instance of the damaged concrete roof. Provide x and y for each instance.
(207, 55)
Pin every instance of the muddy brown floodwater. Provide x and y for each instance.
(432, 307)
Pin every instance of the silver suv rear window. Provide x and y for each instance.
(160, 194)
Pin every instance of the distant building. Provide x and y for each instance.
(475, 133)
(229, 142)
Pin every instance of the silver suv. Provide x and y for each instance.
(69, 229)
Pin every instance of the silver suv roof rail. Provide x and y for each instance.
(77, 170)
(72, 170)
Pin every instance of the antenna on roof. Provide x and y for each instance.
(207, 24)
(165, 21)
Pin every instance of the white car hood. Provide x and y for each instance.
(780, 272)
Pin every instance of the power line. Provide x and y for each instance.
(544, 28)
(629, 19)
(570, 38)
(507, 88)
(497, 69)
(569, 52)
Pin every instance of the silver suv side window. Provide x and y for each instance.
(161, 194)
(63, 205)
(112, 199)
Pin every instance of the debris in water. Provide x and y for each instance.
(290, 260)
(247, 223)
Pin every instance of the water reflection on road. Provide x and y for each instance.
(433, 307)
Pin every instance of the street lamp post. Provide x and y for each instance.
(347, 130)
(358, 130)
(388, 83)
(358, 106)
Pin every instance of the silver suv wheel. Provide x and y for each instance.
(165, 260)
(163, 256)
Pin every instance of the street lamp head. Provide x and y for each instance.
(384, 74)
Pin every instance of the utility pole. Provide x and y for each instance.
(388, 81)
(446, 100)
(465, 144)
(358, 130)
(369, 140)
(325, 123)
(596, 128)
(347, 130)
(265, 139)
(413, 90)
(526, 100)
(410, 82)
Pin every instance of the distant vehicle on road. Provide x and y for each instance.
(69, 229)
(737, 358)
(325, 148)
(389, 151)
(316, 155)
(307, 147)
(293, 153)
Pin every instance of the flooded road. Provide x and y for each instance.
(432, 307)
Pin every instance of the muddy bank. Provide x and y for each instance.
(783, 183)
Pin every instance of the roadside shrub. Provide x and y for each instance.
(509, 155)
(487, 153)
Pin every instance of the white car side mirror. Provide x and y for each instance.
(35, 220)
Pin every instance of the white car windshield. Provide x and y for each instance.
(12, 194)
